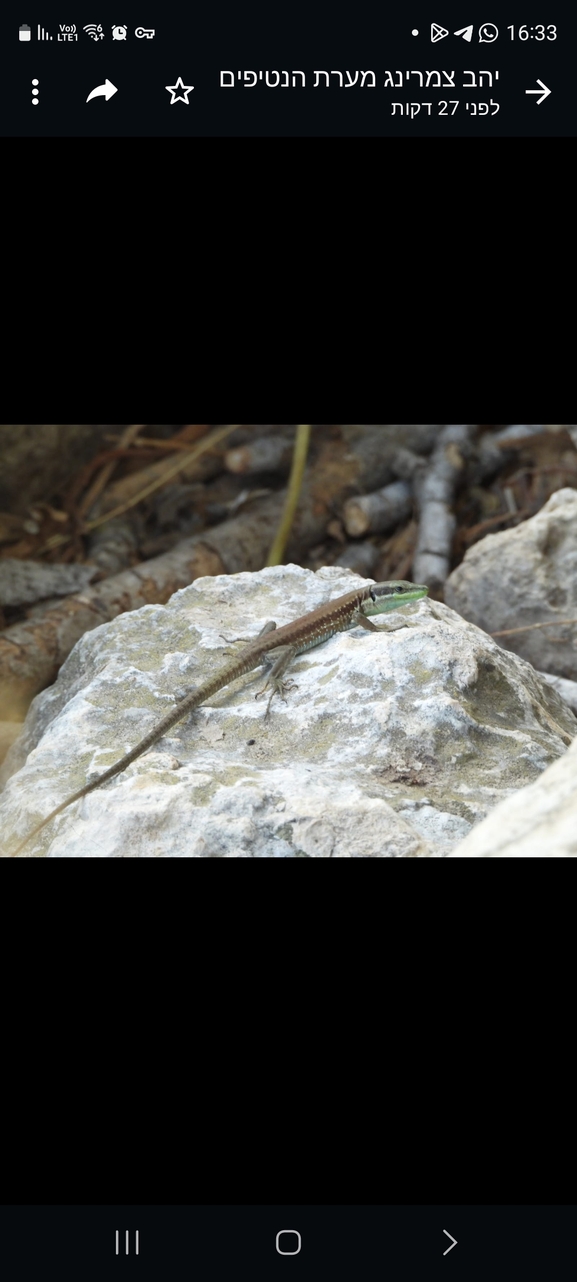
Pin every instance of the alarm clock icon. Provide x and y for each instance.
(119, 33)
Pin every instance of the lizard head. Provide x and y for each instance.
(391, 595)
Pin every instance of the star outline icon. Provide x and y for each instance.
(181, 97)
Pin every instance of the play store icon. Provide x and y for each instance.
(437, 32)
(465, 32)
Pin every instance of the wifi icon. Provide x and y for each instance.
(95, 31)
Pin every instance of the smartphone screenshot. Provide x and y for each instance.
(500, 68)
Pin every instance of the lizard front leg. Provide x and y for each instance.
(369, 626)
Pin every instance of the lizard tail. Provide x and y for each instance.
(82, 792)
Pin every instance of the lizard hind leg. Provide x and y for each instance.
(268, 627)
(280, 661)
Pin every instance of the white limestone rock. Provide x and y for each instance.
(392, 745)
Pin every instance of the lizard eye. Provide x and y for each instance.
(372, 595)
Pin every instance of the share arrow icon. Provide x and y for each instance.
(106, 91)
(466, 33)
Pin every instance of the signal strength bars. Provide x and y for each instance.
(44, 35)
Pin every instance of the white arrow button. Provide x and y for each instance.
(543, 95)
(106, 90)
(453, 1242)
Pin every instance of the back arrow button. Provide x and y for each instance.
(545, 93)
(453, 1242)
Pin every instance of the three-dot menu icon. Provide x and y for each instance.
(35, 93)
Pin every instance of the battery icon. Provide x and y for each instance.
(24, 32)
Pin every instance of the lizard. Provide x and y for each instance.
(338, 615)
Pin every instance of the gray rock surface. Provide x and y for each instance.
(540, 821)
(392, 745)
(566, 689)
(523, 576)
